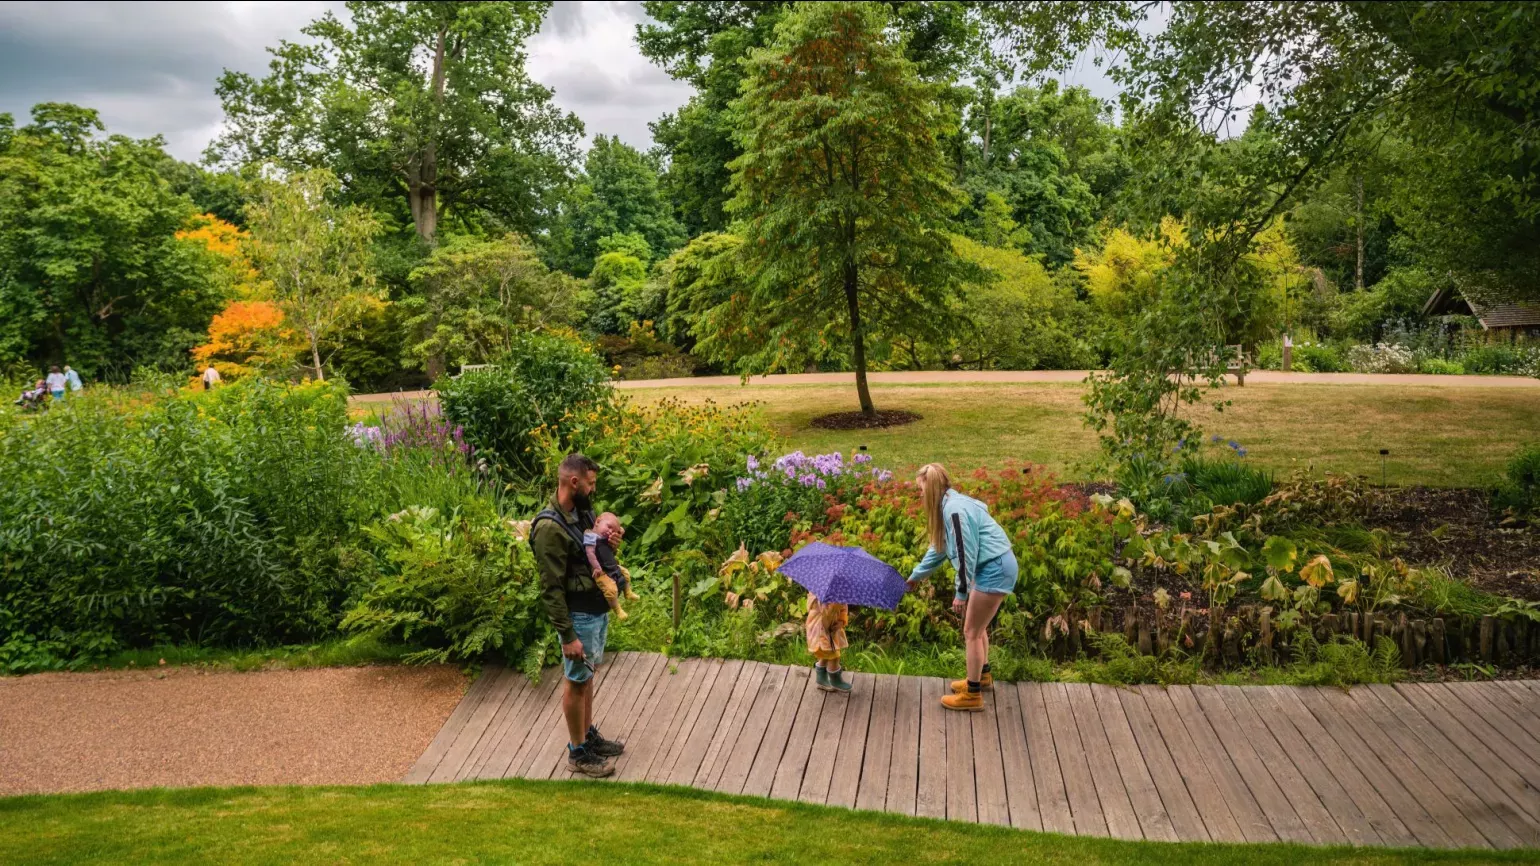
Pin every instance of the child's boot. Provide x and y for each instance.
(629, 594)
(823, 676)
(837, 683)
(971, 700)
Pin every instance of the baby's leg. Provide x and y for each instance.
(625, 584)
(611, 594)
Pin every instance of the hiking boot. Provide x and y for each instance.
(834, 681)
(972, 702)
(986, 682)
(584, 762)
(823, 677)
(602, 747)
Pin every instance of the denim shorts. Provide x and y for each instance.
(593, 629)
(997, 575)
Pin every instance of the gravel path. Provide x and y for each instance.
(1001, 377)
(184, 726)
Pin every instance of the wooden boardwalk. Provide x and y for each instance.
(1439, 765)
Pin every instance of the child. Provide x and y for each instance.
(825, 629)
(56, 383)
(613, 579)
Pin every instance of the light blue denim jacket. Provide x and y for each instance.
(972, 539)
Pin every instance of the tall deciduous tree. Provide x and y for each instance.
(92, 270)
(619, 195)
(842, 190)
(316, 254)
(425, 101)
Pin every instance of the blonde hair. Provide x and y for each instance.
(934, 483)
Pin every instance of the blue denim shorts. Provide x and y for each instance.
(593, 629)
(997, 575)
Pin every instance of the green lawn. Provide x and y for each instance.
(560, 823)
(1441, 436)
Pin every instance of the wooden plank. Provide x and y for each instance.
(1416, 818)
(873, 791)
(547, 723)
(512, 717)
(1078, 784)
(548, 748)
(1520, 703)
(1020, 791)
(660, 726)
(773, 745)
(1490, 703)
(1129, 764)
(631, 697)
(609, 680)
(831, 738)
(904, 765)
(989, 764)
(1186, 822)
(693, 704)
(475, 727)
(961, 790)
(1253, 822)
(1482, 771)
(1117, 808)
(526, 725)
(1047, 775)
(845, 771)
(1493, 754)
(799, 743)
(740, 759)
(1430, 755)
(429, 760)
(1196, 777)
(1333, 795)
(1370, 729)
(930, 795)
(706, 725)
(1378, 812)
(732, 722)
(1244, 767)
(1276, 761)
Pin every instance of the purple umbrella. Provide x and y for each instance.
(845, 575)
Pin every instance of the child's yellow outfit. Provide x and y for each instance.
(825, 627)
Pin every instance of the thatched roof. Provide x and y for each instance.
(1450, 301)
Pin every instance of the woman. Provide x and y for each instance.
(962, 531)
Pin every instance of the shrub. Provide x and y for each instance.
(1520, 489)
(1440, 367)
(1381, 358)
(1318, 358)
(132, 519)
(457, 584)
(1500, 359)
(767, 501)
(533, 391)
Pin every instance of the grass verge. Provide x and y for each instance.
(342, 652)
(560, 823)
(1438, 436)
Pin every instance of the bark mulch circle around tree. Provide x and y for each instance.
(859, 421)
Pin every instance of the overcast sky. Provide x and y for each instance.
(150, 67)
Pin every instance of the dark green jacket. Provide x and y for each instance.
(563, 568)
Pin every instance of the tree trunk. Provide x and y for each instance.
(858, 339)
(988, 116)
(422, 184)
(1358, 274)
(315, 357)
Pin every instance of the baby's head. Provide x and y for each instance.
(608, 524)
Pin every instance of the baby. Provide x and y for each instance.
(613, 579)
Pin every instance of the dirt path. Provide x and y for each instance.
(182, 726)
(1006, 377)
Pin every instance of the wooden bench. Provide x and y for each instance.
(471, 368)
(1238, 364)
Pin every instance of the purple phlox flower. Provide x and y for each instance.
(884, 475)
(744, 484)
(822, 484)
(807, 480)
(752, 464)
(861, 457)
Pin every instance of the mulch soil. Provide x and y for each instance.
(862, 421)
(1457, 529)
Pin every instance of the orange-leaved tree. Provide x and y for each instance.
(247, 337)
(224, 241)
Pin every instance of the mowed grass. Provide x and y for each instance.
(1446, 436)
(563, 823)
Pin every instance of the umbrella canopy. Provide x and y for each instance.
(845, 575)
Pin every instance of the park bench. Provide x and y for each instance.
(471, 368)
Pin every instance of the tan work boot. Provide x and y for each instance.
(970, 702)
(986, 682)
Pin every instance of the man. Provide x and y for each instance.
(210, 377)
(577, 609)
(71, 378)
